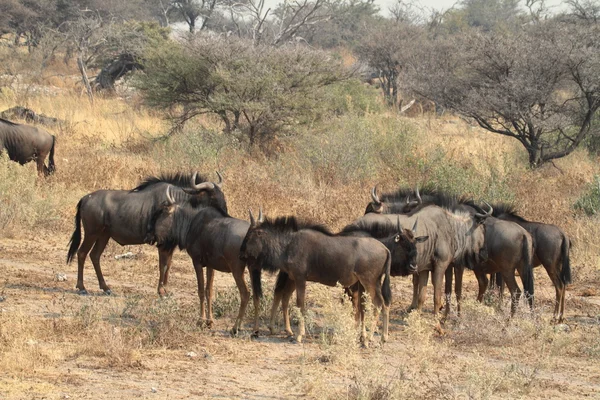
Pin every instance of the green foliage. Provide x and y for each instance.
(589, 201)
(356, 149)
(261, 91)
(353, 96)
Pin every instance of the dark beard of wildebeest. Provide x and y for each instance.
(551, 247)
(26, 143)
(455, 238)
(212, 239)
(309, 252)
(123, 215)
(400, 242)
(507, 245)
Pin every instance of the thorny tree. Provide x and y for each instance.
(539, 85)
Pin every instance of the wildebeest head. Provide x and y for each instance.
(160, 225)
(404, 249)
(382, 206)
(255, 240)
(207, 193)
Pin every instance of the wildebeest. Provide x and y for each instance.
(507, 245)
(455, 237)
(308, 252)
(213, 239)
(400, 242)
(123, 215)
(551, 249)
(26, 143)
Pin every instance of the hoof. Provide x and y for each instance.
(254, 335)
(233, 332)
(82, 292)
(107, 292)
(210, 323)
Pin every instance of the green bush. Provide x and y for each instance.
(589, 201)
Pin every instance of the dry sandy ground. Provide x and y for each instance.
(270, 367)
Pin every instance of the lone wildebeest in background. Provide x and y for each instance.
(551, 249)
(123, 215)
(26, 143)
(400, 242)
(309, 252)
(456, 239)
(212, 239)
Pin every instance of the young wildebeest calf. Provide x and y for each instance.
(311, 253)
(25, 143)
(212, 239)
(123, 215)
(400, 242)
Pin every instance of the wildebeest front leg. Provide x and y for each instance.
(300, 303)
(482, 280)
(448, 291)
(95, 257)
(210, 278)
(244, 298)
(378, 303)
(163, 267)
(422, 288)
(458, 286)
(437, 278)
(200, 279)
(282, 296)
(415, 299)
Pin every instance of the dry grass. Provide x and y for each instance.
(66, 339)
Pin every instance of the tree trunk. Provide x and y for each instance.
(535, 155)
(84, 77)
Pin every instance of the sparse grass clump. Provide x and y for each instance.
(589, 201)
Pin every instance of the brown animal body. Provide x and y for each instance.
(508, 247)
(551, 248)
(26, 143)
(124, 215)
(213, 239)
(455, 238)
(311, 253)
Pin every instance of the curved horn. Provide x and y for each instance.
(220, 183)
(261, 217)
(374, 195)
(200, 186)
(252, 220)
(169, 197)
(419, 196)
(399, 225)
(414, 228)
(487, 214)
(407, 199)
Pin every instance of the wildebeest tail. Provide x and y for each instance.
(76, 238)
(565, 272)
(386, 289)
(256, 282)
(527, 277)
(51, 165)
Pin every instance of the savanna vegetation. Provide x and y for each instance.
(276, 99)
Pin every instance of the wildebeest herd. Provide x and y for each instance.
(447, 234)
(402, 233)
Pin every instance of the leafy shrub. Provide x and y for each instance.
(589, 202)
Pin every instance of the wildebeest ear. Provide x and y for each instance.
(421, 239)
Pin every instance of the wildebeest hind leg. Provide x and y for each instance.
(378, 303)
(200, 279)
(244, 298)
(95, 257)
(301, 303)
(458, 287)
(448, 290)
(560, 294)
(163, 267)
(210, 279)
(515, 292)
(482, 281)
(82, 253)
(285, 306)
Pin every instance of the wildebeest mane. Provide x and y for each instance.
(180, 179)
(378, 229)
(396, 201)
(508, 209)
(292, 224)
(8, 122)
